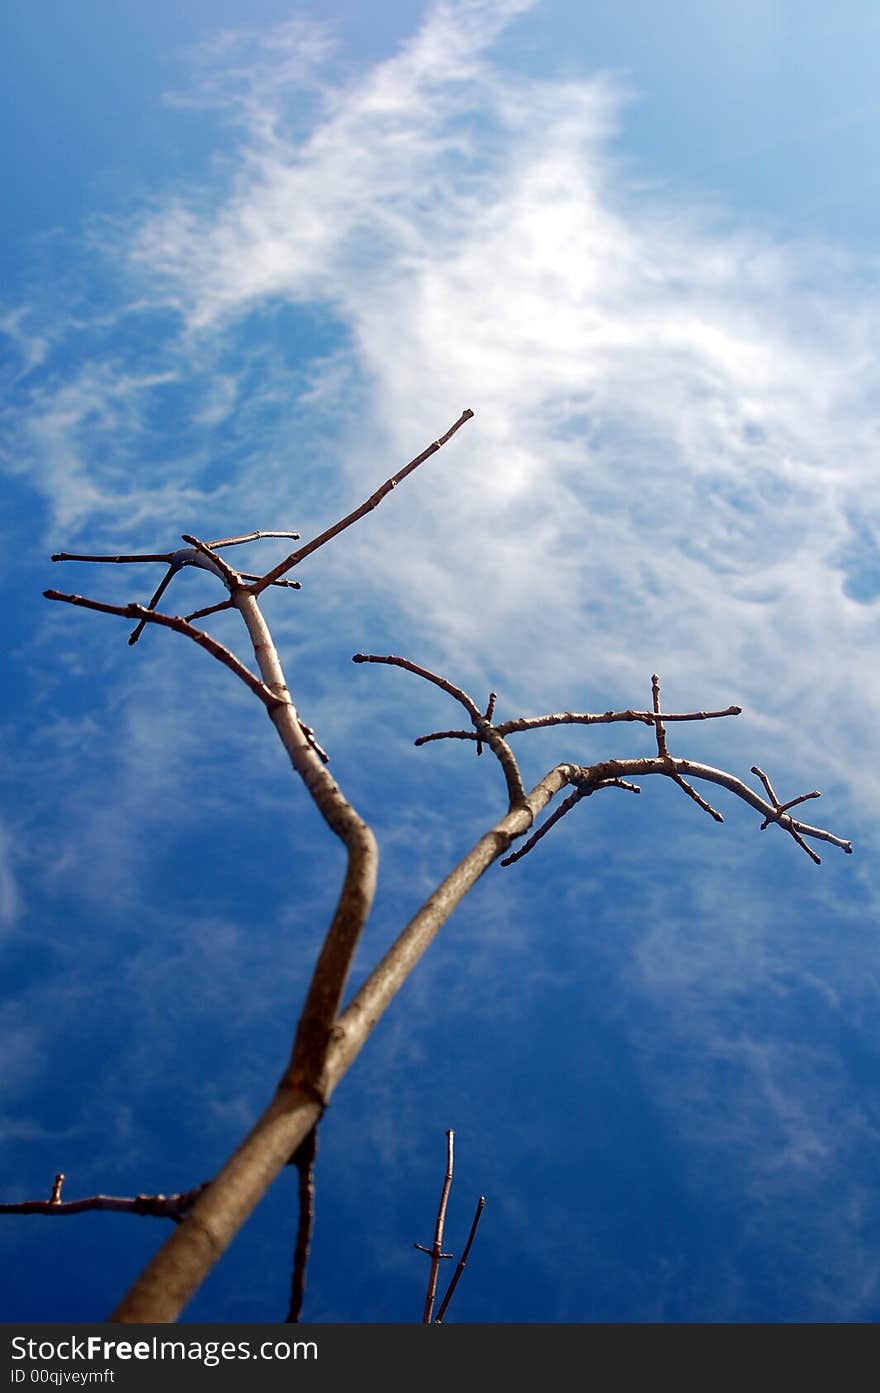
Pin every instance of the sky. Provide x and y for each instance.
(257, 257)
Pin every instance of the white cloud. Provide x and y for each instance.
(675, 427)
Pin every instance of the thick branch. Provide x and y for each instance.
(386, 979)
(182, 1263)
(372, 502)
(193, 1248)
(177, 1270)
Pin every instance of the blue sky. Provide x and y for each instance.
(257, 258)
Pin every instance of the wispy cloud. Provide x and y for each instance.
(675, 434)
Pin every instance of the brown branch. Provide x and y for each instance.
(372, 502)
(194, 1247)
(794, 829)
(457, 693)
(462, 1262)
(183, 1261)
(487, 716)
(166, 556)
(608, 774)
(173, 1207)
(178, 559)
(659, 730)
(584, 718)
(634, 768)
(210, 609)
(663, 752)
(327, 1042)
(304, 1160)
(180, 626)
(697, 797)
(248, 537)
(153, 601)
(435, 1252)
(483, 730)
(564, 807)
(381, 986)
(216, 563)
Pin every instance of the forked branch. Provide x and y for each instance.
(436, 1253)
(617, 773)
(328, 1038)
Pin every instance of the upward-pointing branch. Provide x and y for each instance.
(372, 502)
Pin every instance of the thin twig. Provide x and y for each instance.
(779, 813)
(487, 716)
(372, 502)
(457, 693)
(154, 600)
(181, 626)
(564, 807)
(697, 797)
(659, 731)
(435, 1252)
(304, 1160)
(249, 537)
(483, 730)
(165, 556)
(172, 1207)
(462, 1262)
(210, 609)
(227, 573)
(584, 718)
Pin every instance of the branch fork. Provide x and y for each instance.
(329, 1038)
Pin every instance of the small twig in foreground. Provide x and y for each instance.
(304, 1160)
(435, 1252)
(462, 1262)
(564, 807)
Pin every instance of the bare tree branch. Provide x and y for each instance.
(181, 626)
(565, 806)
(462, 1262)
(487, 716)
(372, 502)
(793, 828)
(329, 1038)
(584, 718)
(304, 1160)
(172, 1207)
(435, 1252)
(483, 730)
